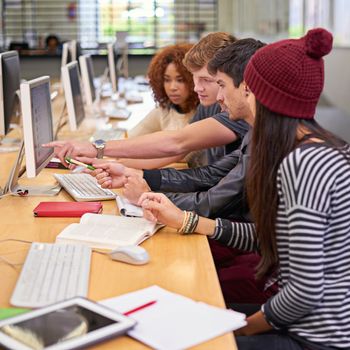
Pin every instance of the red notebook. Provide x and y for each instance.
(66, 209)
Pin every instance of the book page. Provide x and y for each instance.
(108, 231)
(111, 220)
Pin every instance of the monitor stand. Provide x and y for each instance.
(12, 186)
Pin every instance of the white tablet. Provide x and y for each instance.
(71, 324)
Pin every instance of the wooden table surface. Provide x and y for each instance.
(181, 264)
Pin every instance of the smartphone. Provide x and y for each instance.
(71, 324)
(76, 162)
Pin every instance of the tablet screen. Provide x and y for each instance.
(56, 326)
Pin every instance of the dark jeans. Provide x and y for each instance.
(272, 340)
(268, 342)
(236, 271)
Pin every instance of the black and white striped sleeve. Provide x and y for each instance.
(235, 234)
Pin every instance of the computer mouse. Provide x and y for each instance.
(131, 254)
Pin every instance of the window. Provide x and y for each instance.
(154, 24)
(149, 24)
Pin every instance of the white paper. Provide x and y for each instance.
(128, 209)
(174, 322)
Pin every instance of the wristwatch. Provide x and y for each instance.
(100, 147)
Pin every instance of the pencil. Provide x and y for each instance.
(139, 308)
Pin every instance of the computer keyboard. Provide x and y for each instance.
(83, 187)
(51, 273)
(108, 134)
(119, 113)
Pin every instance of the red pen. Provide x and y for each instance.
(139, 308)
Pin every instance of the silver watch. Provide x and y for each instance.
(100, 147)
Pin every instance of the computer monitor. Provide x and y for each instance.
(73, 95)
(112, 67)
(37, 129)
(74, 50)
(37, 124)
(66, 56)
(9, 87)
(69, 52)
(87, 75)
(123, 63)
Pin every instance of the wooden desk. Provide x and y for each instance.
(181, 264)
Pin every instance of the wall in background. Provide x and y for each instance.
(337, 77)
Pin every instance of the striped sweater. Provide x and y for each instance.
(313, 243)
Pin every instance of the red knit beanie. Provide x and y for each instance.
(287, 76)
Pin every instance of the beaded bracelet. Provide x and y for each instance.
(189, 223)
(192, 223)
(184, 222)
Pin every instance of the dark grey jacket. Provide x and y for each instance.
(216, 190)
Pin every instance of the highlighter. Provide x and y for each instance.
(76, 162)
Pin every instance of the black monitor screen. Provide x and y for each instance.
(10, 84)
(90, 69)
(42, 122)
(76, 94)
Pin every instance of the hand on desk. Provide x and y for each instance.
(71, 149)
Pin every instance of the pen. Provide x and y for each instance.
(139, 308)
(76, 162)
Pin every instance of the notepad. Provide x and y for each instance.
(174, 322)
(108, 231)
(66, 209)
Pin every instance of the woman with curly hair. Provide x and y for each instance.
(173, 91)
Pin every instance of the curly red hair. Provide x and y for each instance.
(171, 54)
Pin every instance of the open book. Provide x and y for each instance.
(108, 231)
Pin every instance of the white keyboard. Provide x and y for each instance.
(51, 273)
(119, 113)
(84, 187)
(107, 135)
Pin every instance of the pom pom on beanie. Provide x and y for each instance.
(318, 42)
